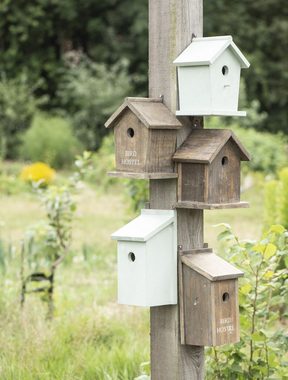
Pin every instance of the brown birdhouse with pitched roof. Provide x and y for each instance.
(209, 310)
(145, 139)
(208, 164)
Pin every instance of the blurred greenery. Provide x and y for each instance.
(50, 139)
(106, 45)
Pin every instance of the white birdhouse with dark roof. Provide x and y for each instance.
(208, 165)
(145, 139)
(209, 310)
(147, 259)
(208, 73)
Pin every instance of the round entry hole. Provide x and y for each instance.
(225, 70)
(130, 132)
(225, 297)
(224, 160)
(131, 256)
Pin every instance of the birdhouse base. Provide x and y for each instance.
(209, 113)
(209, 206)
(142, 175)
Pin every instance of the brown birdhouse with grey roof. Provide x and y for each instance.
(209, 310)
(208, 164)
(145, 139)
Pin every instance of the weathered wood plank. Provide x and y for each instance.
(171, 24)
(209, 206)
(120, 174)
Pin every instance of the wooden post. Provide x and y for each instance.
(171, 26)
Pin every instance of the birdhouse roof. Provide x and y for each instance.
(145, 226)
(203, 145)
(211, 266)
(205, 51)
(151, 112)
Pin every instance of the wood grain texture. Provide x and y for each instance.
(203, 145)
(120, 174)
(150, 111)
(211, 266)
(209, 206)
(171, 24)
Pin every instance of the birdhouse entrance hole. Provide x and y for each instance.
(225, 297)
(130, 132)
(131, 256)
(225, 70)
(224, 160)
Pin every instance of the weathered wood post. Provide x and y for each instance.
(172, 24)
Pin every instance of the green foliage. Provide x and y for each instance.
(262, 297)
(276, 199)
(17, 107)
(106, 31)
(50, 140)
(269, 152)
(256, 26)
(90, 93)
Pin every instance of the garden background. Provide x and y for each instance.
(65, 67)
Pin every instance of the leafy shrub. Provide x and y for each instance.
(38, 172)
(17, 108)
(276, 199)
(50, 140)
(90, 93)
(262, 294)
(269, 152)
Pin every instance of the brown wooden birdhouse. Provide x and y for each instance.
(209, 311)
(209, 170)
(145, 139)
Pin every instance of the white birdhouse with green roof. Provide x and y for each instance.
(208, 73)
(147, 259)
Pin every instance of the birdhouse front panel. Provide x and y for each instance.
(131, 138)
(147, 259)
(224, 176)
(226, 317)
(145, 139)
(208, 299)
(208, 72)
(131, 276)
(225, 83)
(208, 165)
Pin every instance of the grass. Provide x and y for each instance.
(91, 337)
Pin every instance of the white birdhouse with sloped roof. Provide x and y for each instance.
(147, 259)
(208, 72)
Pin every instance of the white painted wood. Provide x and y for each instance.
(208, 72)
(145, 226)
(205, 51)
(147, 259)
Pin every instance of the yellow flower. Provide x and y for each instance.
(38, 172)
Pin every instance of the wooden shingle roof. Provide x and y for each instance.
(151, 112)
(211, 266)
(203, 145)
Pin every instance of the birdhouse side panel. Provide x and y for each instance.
(197, 308)
(194, 89)
(225, 82)
(132, 273)
(226, 315)
(161, 270)
(131, 138)
(160, 149)
(224, 176)
(193, 182)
